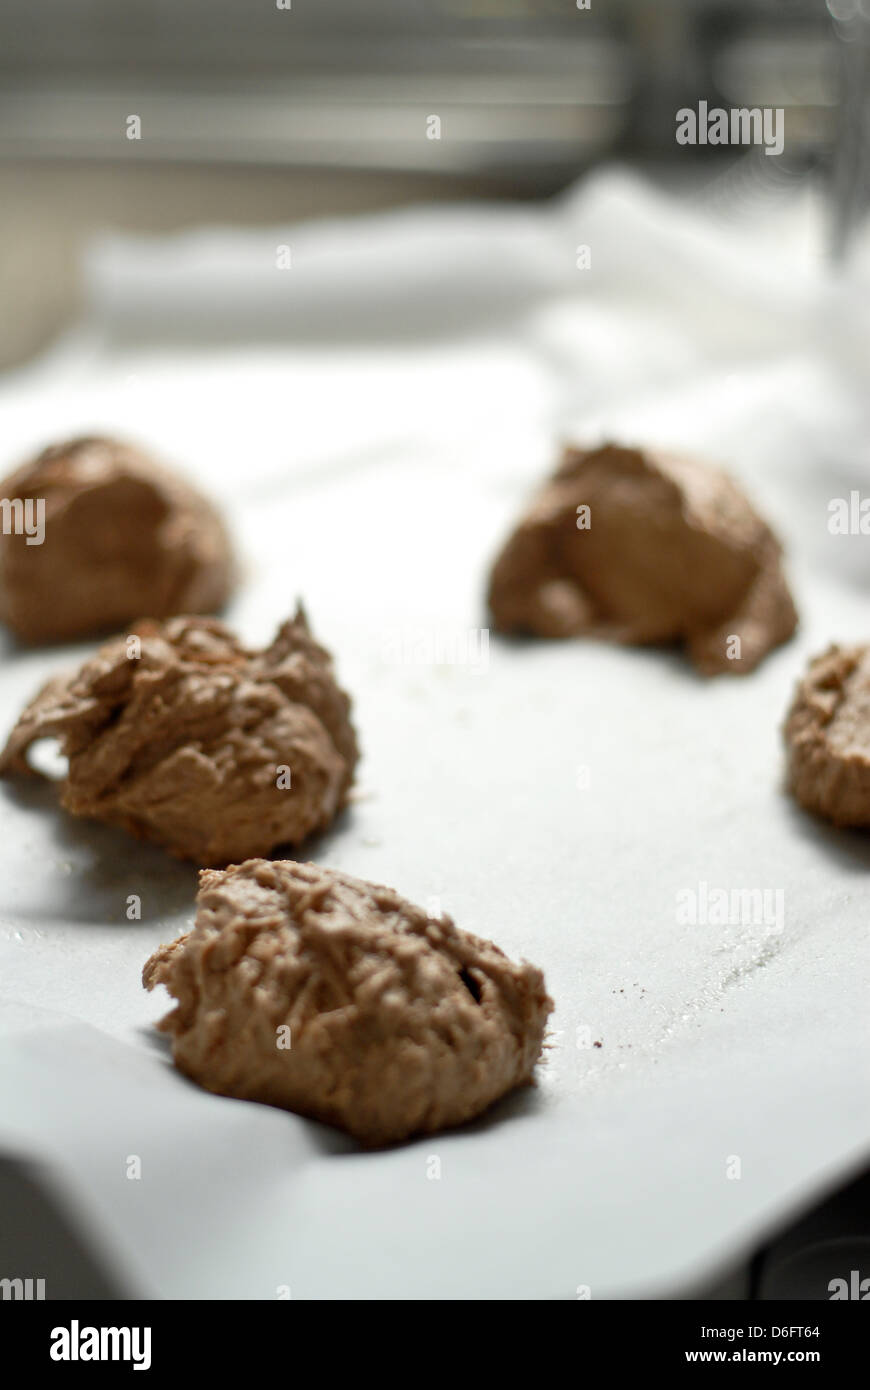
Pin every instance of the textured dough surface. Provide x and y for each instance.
(123, 536)
(399, 1024)
(673, 553)
(183, 744)
(827, 735)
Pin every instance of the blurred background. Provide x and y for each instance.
(258, 113)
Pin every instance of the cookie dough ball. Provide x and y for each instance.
(309, 989)
(827, 736)
(122, 536)
(182, 736)
(642, 547)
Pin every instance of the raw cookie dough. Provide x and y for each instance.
(673, 552)
(308, 989)
(185, 744)
(827, 735)
(123, 536)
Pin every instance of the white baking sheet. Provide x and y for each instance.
(372, 421)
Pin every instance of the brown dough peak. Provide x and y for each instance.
(123, 536)
(394, 1023)
(183, 743)
(673, 552)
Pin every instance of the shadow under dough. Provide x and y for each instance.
(849, 847)
(83, 871)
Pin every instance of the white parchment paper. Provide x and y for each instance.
(372, 420)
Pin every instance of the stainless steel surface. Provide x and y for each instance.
(850, 185)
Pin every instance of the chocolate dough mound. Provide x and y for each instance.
(185, 743)
(827, 735)
(673, 553)
(123, 536)
(399, 1024)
